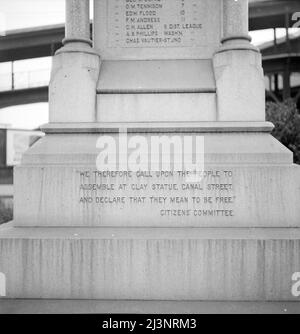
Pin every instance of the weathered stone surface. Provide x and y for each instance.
(235, 18)
(72, 88)
(164, 107)
(77, 19)
(240, 86)
(76, 235)
(149, 264)
(157, 76)
(80, 196)
(248, 180)
(168, 30)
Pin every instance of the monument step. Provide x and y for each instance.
(50, 306)
(158, 127)
(152, 107)
(157, 76)
(118, 264)
(266, 196)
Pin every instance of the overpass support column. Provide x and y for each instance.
(239, 62)
(75, 70)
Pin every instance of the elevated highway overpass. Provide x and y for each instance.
(44, 41)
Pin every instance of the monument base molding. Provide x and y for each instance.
(58, 183)
(150, 263)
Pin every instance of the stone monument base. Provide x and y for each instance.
(249, 179)
(65, 249)
(230, 264)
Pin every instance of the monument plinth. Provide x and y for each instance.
(161, 68)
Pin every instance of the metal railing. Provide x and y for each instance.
(24, 79)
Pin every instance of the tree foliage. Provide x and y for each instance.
(286, 118)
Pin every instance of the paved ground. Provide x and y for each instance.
(22, 306)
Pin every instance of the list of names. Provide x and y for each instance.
(155, 23)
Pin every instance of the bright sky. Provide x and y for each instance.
(18, 14)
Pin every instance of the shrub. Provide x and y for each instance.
(286, 118)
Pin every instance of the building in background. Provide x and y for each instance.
(13, 143)
(281, 62)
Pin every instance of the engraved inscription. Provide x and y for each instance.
(155, 23)
(165, 193)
